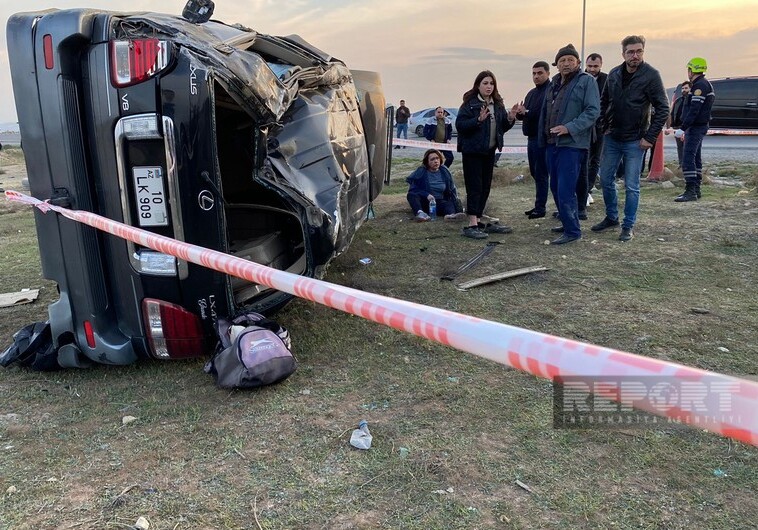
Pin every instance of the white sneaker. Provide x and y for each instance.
(455, 216)
(590, 200)
(422, 216)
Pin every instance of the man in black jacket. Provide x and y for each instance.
(676, 117)
(529, 113)
(588, 174)
(696, 116)
(625, 112)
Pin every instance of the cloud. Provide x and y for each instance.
(468, 54)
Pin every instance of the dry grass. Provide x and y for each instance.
(198, 457)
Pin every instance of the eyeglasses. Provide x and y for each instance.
(634, 52)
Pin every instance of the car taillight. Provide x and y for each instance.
(133, 61)
(172, 331)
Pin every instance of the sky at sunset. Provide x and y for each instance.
(428, 52)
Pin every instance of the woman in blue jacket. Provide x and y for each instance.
(431, 181)
(482, 120)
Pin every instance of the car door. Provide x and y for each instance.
(736, 103)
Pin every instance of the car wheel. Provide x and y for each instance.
(419, 130)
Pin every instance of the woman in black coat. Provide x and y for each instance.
(482, 120)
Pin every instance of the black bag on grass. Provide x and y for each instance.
(32, 347)
(253, 351)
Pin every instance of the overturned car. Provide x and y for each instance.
(263, 147)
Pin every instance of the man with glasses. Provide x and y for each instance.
(632, 91)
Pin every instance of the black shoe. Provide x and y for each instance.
(605, 223)
(534, 214)
(697, 191)
(565, 239)
(626, 234)
(557, 229)
(494, 228)
(397, 147)
(474, 233)
(689, 194)
(556, 215)
(582, 215)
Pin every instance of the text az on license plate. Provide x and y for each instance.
(150, 195)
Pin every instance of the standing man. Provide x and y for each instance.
(401, 119)
(529, 114)
(625, 109)
(676, 118)
(696, 115)
(571, 106)
(588, 176)
(440, 130)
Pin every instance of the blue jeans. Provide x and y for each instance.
(563, 165)
(613, 152)
(402, 130)
(538, 169)
(692, 162)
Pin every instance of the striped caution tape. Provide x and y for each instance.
(723, 132)
(734, 414)
(423, 144)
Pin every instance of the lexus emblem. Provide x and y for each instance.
(205, 200)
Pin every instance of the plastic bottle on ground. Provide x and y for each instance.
(361, 437)
(433, 209)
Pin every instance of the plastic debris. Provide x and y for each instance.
(365, 261)
(361, 437)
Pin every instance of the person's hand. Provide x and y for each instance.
(483, 113)
(514, 110)
(645, 145)
(679, 133)
(559, 130)
(430, 197)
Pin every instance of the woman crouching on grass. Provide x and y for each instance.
(432, 181)
(482, 120)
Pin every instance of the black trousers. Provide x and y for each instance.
(477, 174)
(588, 174)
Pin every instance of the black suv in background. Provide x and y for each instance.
(736, 103)
(259, 146)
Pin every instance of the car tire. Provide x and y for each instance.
(419, 130)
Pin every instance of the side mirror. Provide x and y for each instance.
(198, 11)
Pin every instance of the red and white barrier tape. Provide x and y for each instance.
(536, 353)
(722, 132)
(423, 144)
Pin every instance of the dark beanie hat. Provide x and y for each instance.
(566, 50)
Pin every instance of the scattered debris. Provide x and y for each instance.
(24, 296)
(499, 276)
(365, 261)
(474, 260)
(719, 473)
(699, 310)
(142, 524)
(722, 349)
(523, 486)
(11, 490)
(452, 379)
(404, 452)
(305, 392)
(126, 420)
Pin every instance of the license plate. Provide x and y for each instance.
(150, 195)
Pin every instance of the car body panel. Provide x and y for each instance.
(265, 146)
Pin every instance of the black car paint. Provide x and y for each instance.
(67, 115)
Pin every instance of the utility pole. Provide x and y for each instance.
(584, 17)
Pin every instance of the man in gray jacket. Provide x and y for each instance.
(632, 89)
(571, 106)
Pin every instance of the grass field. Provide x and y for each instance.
(452, 433)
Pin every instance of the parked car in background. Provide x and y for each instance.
(736, 103)
(420, 118)
(259, 146)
